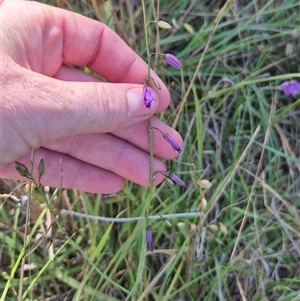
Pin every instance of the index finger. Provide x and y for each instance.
(87, 42)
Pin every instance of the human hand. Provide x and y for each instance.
(99, 130)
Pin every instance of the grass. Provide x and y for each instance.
(240, 133)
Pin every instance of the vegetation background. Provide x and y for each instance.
(240, 132)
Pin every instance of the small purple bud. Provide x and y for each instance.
(177, 180)
(172, 60)
(291, 87)
(169, 139)
(149, 239)
(148, 96)
(172, 142)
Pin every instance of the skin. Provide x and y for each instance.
(77, 123)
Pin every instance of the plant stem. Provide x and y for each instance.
(148, 82)
(132, 219)
(147, 42)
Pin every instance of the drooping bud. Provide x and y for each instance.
(41, 169)
(203, 204)
(205, 184)
(181, 225)
(149, 239)
(177, 180)
(223, 228)
(163, 25)
(172, 60)
(170, 140)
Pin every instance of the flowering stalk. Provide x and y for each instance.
(147, 43)
(148, 82)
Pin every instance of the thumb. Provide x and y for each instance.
(104, 107)
(52, 109)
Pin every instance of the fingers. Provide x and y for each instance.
(73, 74)
(74, 173)
(55, 109)
(109, 153)
(78, 174)
(137, 134)
(68, 38)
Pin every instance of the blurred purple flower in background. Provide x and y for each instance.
(172, 60)
(291, 87)
(148, 96)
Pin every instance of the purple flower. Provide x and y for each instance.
(148, 96)
(291, 87)
(177, 180)
(172, 60)
(173, 179)
(149, 239)
(169, 139)
(172, 142)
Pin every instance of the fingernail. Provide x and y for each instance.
(136, 105)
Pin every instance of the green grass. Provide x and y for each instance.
(240, 133)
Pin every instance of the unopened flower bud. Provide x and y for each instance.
(149, 239)
(41, 167)
(168, 223)
(163, 25)
(205, 184)
(169, 139)
(193, 227)
(172, 60)
(203, 204)
(181, 224)
(213, 227)
(223, 228)
(177, 180)
(22, 170)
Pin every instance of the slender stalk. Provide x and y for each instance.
(148, 80)
(27, 222)
(132, 219)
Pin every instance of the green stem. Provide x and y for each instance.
(132, 219)
(148, 80)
